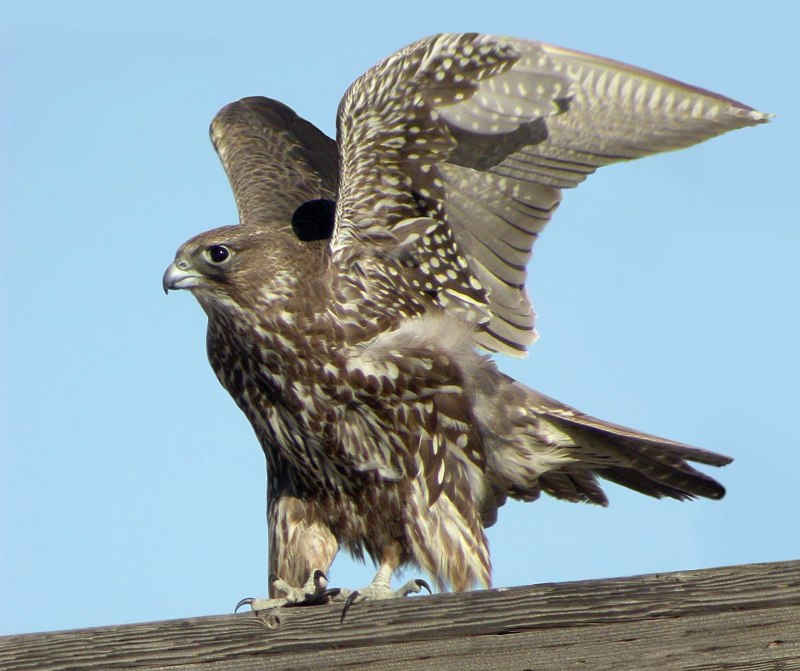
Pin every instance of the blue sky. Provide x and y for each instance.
(132, 489)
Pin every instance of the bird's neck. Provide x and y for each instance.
(278, 335)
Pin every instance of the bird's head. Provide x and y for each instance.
(244, 266)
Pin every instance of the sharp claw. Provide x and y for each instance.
(421, 583)
(328, 593)
(320, 575)
(349, 601)
(244, 602)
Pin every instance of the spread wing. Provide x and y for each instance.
(455, 149)
(274, 159)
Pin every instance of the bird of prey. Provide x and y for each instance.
(353, 310)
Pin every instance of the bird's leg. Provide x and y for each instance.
(381, 585)
(301, 550)
(314, 591)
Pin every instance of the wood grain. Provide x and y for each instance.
(740, 617)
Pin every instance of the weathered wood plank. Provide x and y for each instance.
(741, 617)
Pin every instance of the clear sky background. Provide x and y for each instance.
(131, 488)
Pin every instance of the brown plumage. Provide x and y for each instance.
(353, 351)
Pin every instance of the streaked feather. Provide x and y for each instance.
(385, 431)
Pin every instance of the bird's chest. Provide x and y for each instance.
(290, 397)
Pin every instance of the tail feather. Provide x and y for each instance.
(563, 452)
(632, 479)
(652, 466)
(560, 412)
(576, 486)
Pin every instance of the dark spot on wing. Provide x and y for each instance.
(314, 220)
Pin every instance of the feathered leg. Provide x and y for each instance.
(301, 550)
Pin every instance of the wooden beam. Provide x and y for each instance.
(739, 617)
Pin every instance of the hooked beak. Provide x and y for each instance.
(178, 276)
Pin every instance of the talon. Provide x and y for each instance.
(351, 599)
(314, 591)
(244, 602)
(421, 583)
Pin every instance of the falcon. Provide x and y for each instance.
(353, 311)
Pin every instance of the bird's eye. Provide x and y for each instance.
(218, 253)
